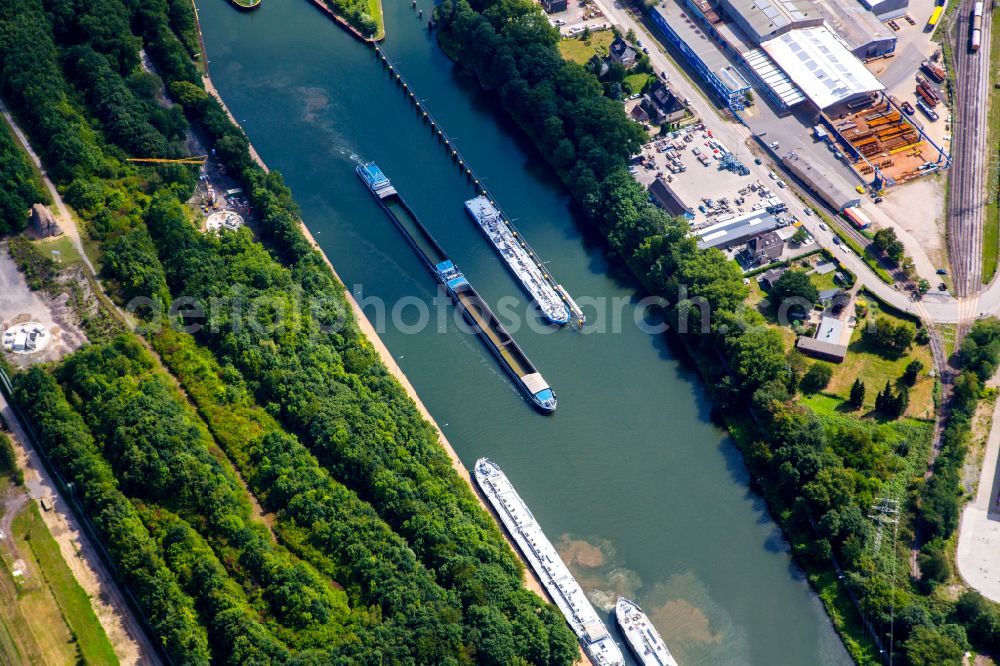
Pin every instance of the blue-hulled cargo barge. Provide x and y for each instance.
(469, 302)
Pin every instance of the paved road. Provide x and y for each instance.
(737, 137)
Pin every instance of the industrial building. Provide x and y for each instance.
(681, 25)
(863, 33)
(761, 20)
(886, 10)
(831, 189)
(784, 46)
(821, 66)
(667, 198)
(829, 343)
(736, 230)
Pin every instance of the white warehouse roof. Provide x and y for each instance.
(821, 65)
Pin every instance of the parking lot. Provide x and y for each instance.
(577, 17)
(690, 159)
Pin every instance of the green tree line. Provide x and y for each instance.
(819, 480)
(427, 573)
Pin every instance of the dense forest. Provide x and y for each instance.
(374, 549)
(20, 187)
(820, 481)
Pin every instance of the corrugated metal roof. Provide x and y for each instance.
(774, 77)
(821, 65)
(766, 16)
(736, 229)
(855, 24)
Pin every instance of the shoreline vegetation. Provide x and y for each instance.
(381, 552)
(246, 5)
(819, 471)
(363, 19)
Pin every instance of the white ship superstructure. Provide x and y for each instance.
(522, 264)
(551, 570)
(642, 637)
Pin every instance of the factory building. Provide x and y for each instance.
(886, 10)
(832, 190)
(761, 20)
(820, 64)
(783, 46)
(687, 29)
(736, 230)
(864, 34)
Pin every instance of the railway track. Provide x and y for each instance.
(966, 203)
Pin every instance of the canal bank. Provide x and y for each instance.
(642, 494)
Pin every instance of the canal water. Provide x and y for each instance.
(642, 493)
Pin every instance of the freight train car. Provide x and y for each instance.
(977, 27)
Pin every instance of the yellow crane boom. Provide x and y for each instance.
(156, 160)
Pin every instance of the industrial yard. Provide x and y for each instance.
(887, 147)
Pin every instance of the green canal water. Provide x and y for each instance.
(643, 494)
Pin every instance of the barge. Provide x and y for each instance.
(545, 561)
(643, 639)
(466, 298)
(519, 259)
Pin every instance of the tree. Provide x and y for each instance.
(885, 399)
(933, 561)
(912, 371)
(816, 378)
(886, 242)
(630, 36)
(794, 284)
(888, 337)
(800, 236)
(857, 399)
(923, 336)
(929, 646)
(901, 403)
(980, 350)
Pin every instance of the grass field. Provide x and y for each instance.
(874, 370)
(825, 281)
(375, 9)
(991, 229)
(68, 254)
(580, 50)
(46, 616)
(72, 599)
(637, 81)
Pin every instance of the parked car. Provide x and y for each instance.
(836, 240)
(942, 271)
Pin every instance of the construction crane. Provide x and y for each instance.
(156, 160)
